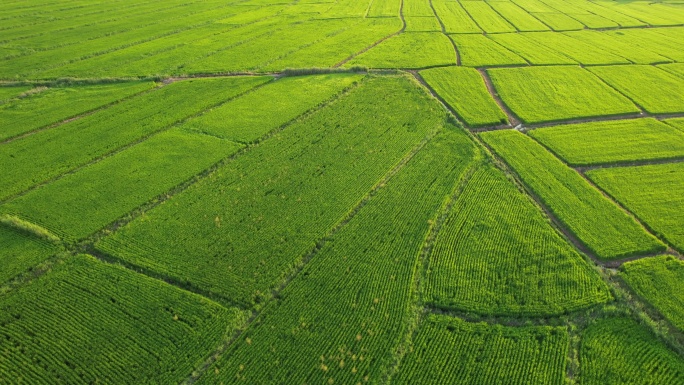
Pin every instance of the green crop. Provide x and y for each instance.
(487, 18)
(497, 254)
(454, 17)
(517, 16)
(546, 94)
(612, 141)
(89, 322)
(53, 105)
(481, 51)
(48, 154)
(409, 50)
(637, 82)
(450, 351)
(521, 44)
(465, 91)
(20, 251)
(627, 49)
(83, 202)
(654, 193)
(240, 232)
(342, 317)
(620, 351)
(598, 223)
(659, 281)
(249, 117)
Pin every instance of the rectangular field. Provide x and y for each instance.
(454, 17)
(486, 18)
(38, 158)
(610, 142)
(654, 193)
(448, 350)
(480, 51)
(249, 117)
(52, 105)
(595, 220)
(496, 254)
(659, 281)
(547, 94)
(616, 350)
(20, 251)
(238, 233)
(534, 53)
(517, 16)
(345, 314)
(81, 203)
(637, 82)
(87, 322)
(465, 91)
(408, 50)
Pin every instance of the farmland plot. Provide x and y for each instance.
(409, 50)
(649, 40)
(659, 281)
(20, 251)
(517, 16)
(480, 51)
(497, 254)
(50, 153)
(546, 94)
(342, 317)
(575, 49)
(81, 203)
(422, 24)
(465, 91)
(598, 223)
(9, 93)
(335, 49)
(53, 105)
(627, 49)
(454, 17)
(264, 49)
(450, 351)
(486, 18)
(637, 83)
(620, 351)
(249, 117)
(238, 233)
(674, 68)
(654, 193)
(532, 52)
(615, 141)
(384, 8)
(88, 322)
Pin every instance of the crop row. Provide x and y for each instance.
(20, 251)
(448, 350)
(612, 141)
(544, 94)
(621, 351)
(497, 254)
(341, 319)
(654, 193)
(409, 50)
(83, 202)
(50, 153)
(598, 223)
(43, 107)
(659, 281)
(465, 91)
(241, 231)
(88, 322)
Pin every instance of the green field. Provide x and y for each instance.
(620, 351)
(547, 94)
(595, 220)
(659, 281)
(653, 193)
(448, 350)
(612, 142)
(341, 192)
